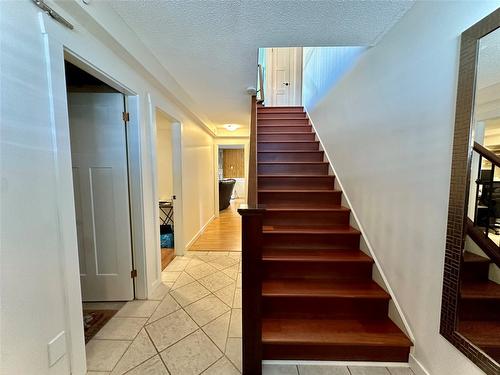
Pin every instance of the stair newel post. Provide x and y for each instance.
(251, 264)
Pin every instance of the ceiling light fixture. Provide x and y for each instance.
(231, 127)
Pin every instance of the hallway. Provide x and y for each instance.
(223, 233)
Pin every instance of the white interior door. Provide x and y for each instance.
(281, 66)
(100, 181)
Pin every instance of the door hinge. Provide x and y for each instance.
(126, 116)
(133, 274)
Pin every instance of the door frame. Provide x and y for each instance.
(134, 166)
(56, 51)
(244, 142)
(55, 55)
(176, 133)
(295, 75)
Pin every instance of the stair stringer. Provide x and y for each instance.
(395, 312)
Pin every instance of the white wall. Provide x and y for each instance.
(164, 157)
(198, 173)
(322, 68)
(39, 266)
(388, 127)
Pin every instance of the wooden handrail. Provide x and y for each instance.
(487, 154)
(252, 166)
(484, 242)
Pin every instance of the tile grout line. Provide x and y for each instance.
(200, 328)
(158, 353)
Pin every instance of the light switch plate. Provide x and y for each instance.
(57, 348)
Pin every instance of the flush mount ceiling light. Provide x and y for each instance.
(231, 127)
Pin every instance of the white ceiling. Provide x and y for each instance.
(488, 71)
(210, 47)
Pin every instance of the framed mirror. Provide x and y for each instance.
(470, 312)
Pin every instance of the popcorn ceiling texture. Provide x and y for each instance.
(211, 47)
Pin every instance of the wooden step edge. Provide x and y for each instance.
(285, 133)
(290, 151)
(344, 294)
(282, 110)
(359, 338)
(330, 191)
(324, 257)
(294, 162)
(296, 176)
(283, 118)
(296, 116)
(310, 230)
(290, 141)
(485, 290)
(338, 296)
(262, 128)
(310, 209)
(474, 258)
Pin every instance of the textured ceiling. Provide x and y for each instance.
(210, 47)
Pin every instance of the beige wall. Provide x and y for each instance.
(198, 173)
(164, 157)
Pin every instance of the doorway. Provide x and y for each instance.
(100, 165)
(283, 76)
(231, 166)
(165, 187)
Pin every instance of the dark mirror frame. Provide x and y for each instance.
(459, 188)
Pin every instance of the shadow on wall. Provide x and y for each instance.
(322, 69)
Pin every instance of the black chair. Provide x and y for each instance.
(225, 192)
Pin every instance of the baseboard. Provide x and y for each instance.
(154, 285)
(416, 366)
(197, 235)
(337, 363)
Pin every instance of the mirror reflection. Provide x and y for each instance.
(479, 304)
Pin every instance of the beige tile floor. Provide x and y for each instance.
(190, 326)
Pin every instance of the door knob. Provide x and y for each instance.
(286, 83)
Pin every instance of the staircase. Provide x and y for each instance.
(479, 305)
(318, 299)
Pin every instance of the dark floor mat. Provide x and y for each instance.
(94, 320)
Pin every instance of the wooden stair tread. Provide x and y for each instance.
(303, 117)
(290, 151)
(480, 290)
(333, 332)
(322, 288)
(474, 258)
(295, 176)
(263, 126)
(284, 107)
(482, 333)
(305, 256)
(298, 191)
(288, 141)
(284, 133)
(306, 229)
(309, 209)
(293, 162)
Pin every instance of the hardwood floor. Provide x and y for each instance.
(167, 255)
(223, 233)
